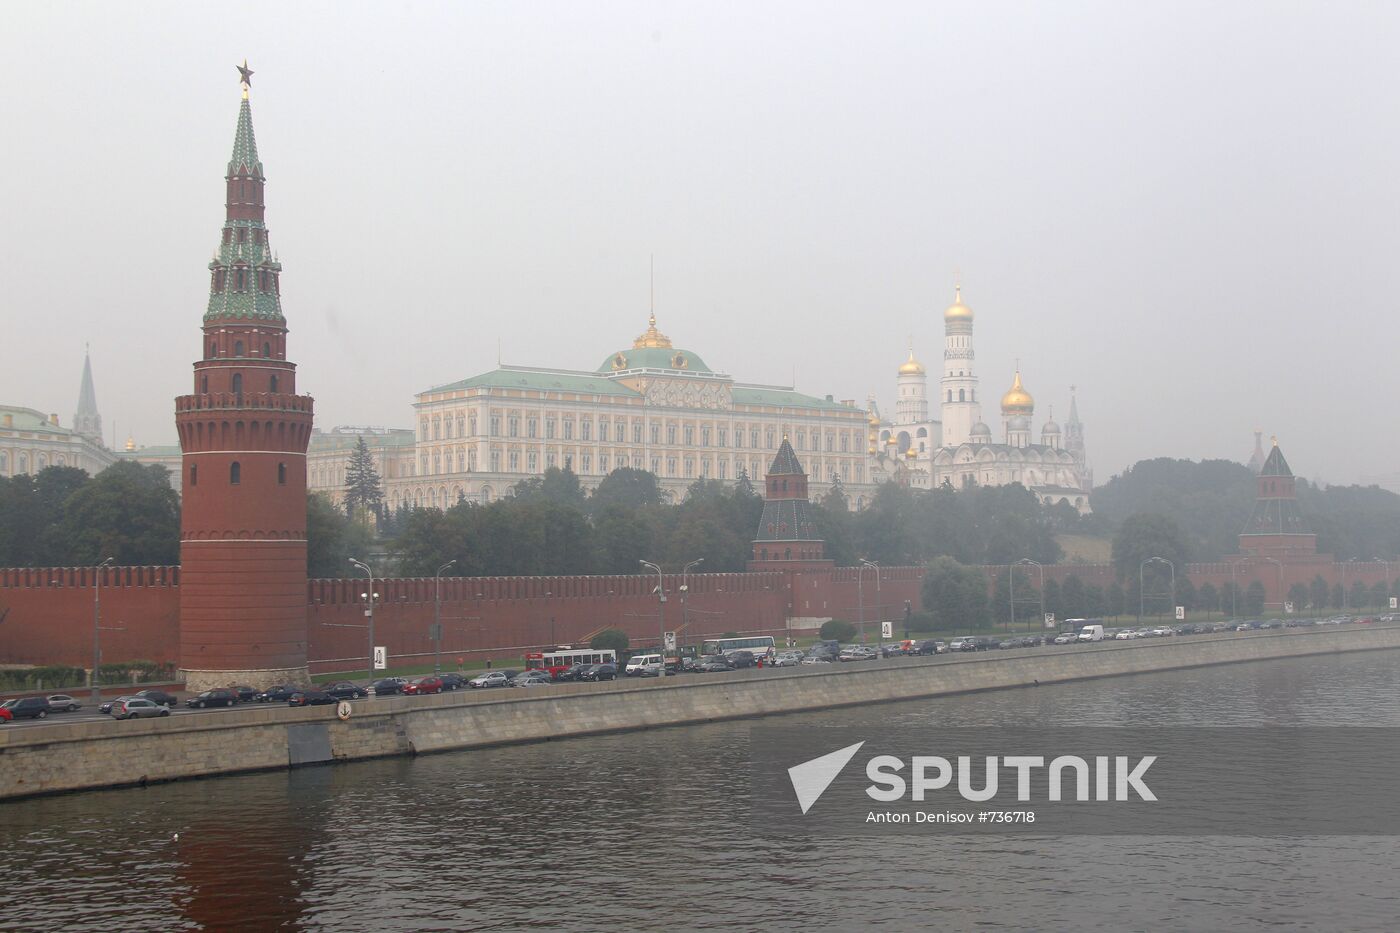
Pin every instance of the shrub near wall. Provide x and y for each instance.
(135, 672)
(43, 678)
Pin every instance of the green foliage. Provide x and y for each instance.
(1208, 598)
(954, 595)
(1319, 593)
(50, 677)
(1359, 596)
(1231, 599)
(556, 486)
(127, 512)
(1053, 599)
(628, 488)
(837, 630)
(332, 539)
(1186, 595)
(610, 639)
(1145, 536)
(1338, 596)
(1115, 601)
(1298, 596)
(135, 672)
(363, 492)
(1254, 599)
(1209, 501)
(1074, 599)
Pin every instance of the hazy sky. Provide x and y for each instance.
(1188, 210)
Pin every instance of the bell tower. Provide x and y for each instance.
(244, 432)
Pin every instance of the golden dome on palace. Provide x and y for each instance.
(957, 311)
(651, 337)
(1017, 400)
(911, 366)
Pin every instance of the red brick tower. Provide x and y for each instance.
(244, 433)
(786, 532)
(1276, 528)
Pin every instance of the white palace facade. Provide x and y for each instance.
(658, 408)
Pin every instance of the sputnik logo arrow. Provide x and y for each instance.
(811, 778)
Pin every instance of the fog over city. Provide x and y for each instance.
(1187, 210)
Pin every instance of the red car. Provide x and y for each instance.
(423, 685)
(6, 715)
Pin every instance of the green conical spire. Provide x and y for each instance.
(245, 145)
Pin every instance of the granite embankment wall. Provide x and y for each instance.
(61, 757)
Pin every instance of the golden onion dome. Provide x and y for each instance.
(1017, 401)
(651, 337)
(957, 311)
(911, 366)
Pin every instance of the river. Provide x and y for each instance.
(649, 830)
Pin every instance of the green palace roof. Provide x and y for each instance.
(27, 419)
(654, 358)
(540, 380)
(785, 398)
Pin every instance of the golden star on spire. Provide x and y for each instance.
(245, 77)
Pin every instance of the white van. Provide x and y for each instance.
(643, 665)
(1091, 633)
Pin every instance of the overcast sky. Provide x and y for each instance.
(1188, 210)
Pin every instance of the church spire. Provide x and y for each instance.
(86, 420)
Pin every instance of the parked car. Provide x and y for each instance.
(957, 644)
(742, 659)
(787, 659)
(106, 706)
(220, 696)
(63, 703)
(245, 693)
(1066, 638)
(139, 708)
(310, 696)
(279, 694)
(6, 715)
(574, 672)
(387, 687)
(1126, 634)
(714, 664)
(525, 677)
(1007, 643)
(158, 697)
(423, 685)
(817, 659)
(929, 646)
(345, 690)
(453, 681)
(28, 707)
(1032, 641)
(489, 679)
(600, 672)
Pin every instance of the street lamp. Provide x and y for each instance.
(685, 589)
(660, 611)
(97, 624)
(437, 617)
(1141, 591)
(860, 590)
(370, 596)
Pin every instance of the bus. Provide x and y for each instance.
(760, 645)
(562, 658)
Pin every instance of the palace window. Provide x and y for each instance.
(830, 443)
(495, 461)
(532, 461)
(235, 473)
(603, 463)
(671, 434)
(689, 467)
(656, 465)
(237, 383)
(585, 429)
(471, 425)
(194, 471)
(437, 429)
(689, 436)
(753, 438)
(771, 438)
(587, 463)
(281, 474)
(272, 384)
(513, 425)
(495, 425)
(723, 438)
(549, 461)
(532, 428)
(602, 430)
(705, 436)
(656, 433)
(723, 468)
(670, 466)
(568, 429)
(549, 428)
(844, 443)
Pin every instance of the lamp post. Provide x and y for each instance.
(437, 617)
(1142, 595)
(97, 624)
(660, 612)
(685, 590)
(370, 596)
(860, 589)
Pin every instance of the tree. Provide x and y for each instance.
(128, 512)
(833, 517)
(1231, 599)
(610, 639)
(1186, 595)
(1142, 537)
(362, 488)
(632, 489)
(624, 538)
(837, 630)
(1318, 593)
(1254, 599)
(1052, 598)
(1380, 595)
(1115, 600)
(1360, 595)
(332, 539)
(1208, 598)
(1073, 598)
(954, 595)
(1338, 596)
(560, 487)
(1298, 595)
(1094, 601)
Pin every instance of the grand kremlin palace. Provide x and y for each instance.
(655, 407)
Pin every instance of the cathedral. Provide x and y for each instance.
(959, 448)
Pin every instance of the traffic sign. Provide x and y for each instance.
(1180, 613)
(1394, 603)
(381, 658)
(886, 629)
(1288, 608)
(1049, 620)
(670, 641)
